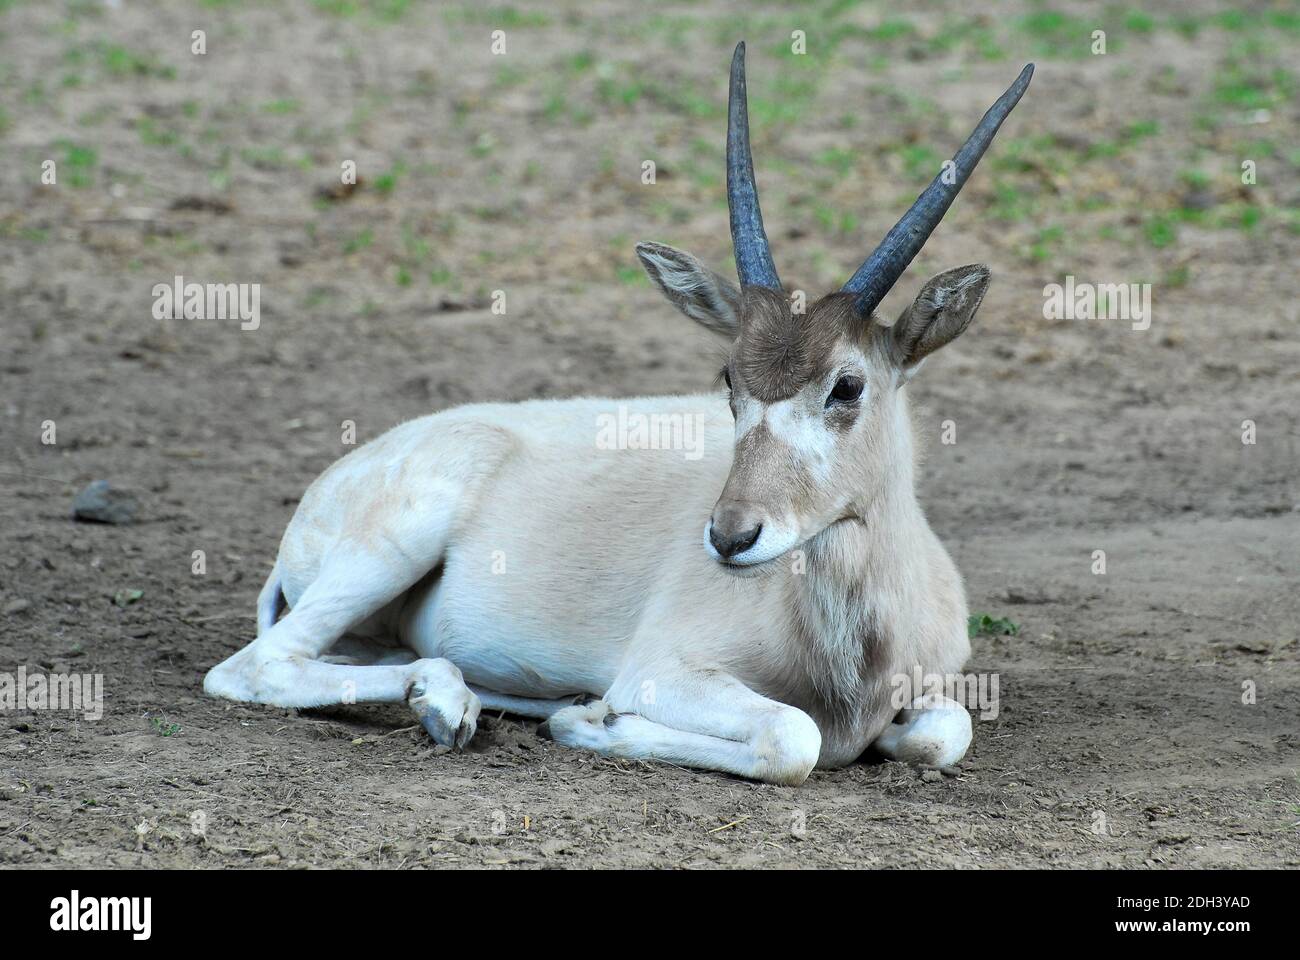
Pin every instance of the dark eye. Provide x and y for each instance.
(726, 377)
(846, 390)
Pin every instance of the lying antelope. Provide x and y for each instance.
(494, 556)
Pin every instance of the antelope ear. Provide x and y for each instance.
(942, 310)
(692, 288)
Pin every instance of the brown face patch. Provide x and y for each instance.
(780, 351)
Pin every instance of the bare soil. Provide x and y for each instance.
(1149, 715)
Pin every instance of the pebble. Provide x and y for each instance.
(17, 606)
(102, 503)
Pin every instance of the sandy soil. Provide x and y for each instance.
(1122, 739)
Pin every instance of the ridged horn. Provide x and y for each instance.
(754, 263)
(880, 271)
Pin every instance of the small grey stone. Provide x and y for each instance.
(931, 776)
(102, 503)
(17, 606)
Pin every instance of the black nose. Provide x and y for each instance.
(730, 544)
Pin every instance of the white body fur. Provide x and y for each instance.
(498, 538)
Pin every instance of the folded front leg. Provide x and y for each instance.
(933, 731)
(703, 719)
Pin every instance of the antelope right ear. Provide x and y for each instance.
(941, 312)
(692, 288)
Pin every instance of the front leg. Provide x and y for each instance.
(694, 718)
(934, 731)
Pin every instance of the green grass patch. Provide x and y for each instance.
(1252, 87)
(498, 18)
(631, 276)
(1046, 243)
(153, 134)
(1160, 230)
(984, 625)
(833, 220)
(380, 11)
(1054, 33)
(1137, 21)
(387, 181)
(122, 63)
(359, 242)
(164, 728)
(77, 167)
(281, 106)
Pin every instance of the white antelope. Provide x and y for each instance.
(497, 556)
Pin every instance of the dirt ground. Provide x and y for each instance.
(1149, 715)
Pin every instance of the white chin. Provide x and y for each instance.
(742, 570)
(771, 546)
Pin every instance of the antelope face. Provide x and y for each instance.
(808, 392)
(815, 394)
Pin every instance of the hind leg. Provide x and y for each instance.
(366, 531)
(355, 582)
(433, 689)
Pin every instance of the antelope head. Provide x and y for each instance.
(814, 392)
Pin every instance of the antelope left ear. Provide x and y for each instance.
(942, 310)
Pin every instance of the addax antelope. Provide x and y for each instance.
(750, 609)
